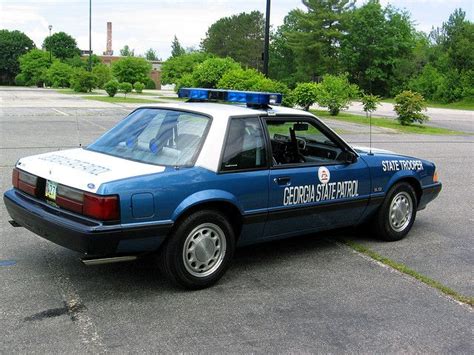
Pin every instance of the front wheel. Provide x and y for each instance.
(397, 213)
(199, 251)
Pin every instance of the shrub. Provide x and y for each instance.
(59, 74)
(176, 67)
(306, 94)
(131, 69)
(33, 66)
(111, 87)
(83, 81)
(125, 88)
(186, 81)
(408, 106)
(20, 80)
(208, 73)
(138, 87)
(336, 93)
(370, 103)
(103, 74)
(150, 84)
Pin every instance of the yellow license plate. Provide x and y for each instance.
(51, 190)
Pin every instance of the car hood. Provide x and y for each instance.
(360, 149)
(84, 169)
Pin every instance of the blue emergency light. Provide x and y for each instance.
(246, 97)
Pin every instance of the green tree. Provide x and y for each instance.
(33, 66)
(335, 93)
(127, 52)
(377, 39)
(175, 67)
(111, 87)
(176, 48)
(151, 54)
(306, 94)
(369, 104)
(61, 45)
(83, 80)
(316, 35)
(208, 73)
(131, 69)
(239, 37)
(409, 106)
(13, 44)
(102, 73)
(59, 74)
(83, 62)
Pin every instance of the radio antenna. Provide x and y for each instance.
(370, 134)
(78, 134)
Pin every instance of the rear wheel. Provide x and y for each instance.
(397, 213)
(199, 250)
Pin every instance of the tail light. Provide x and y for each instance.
(25, 182)
(435, 176)
(104, 208)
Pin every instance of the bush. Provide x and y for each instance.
(208, 73)
(306, 94)
(370, 103)
(125, 88)
(59, 74)
(150, 84)
(176, 67)
(138, 87)
(83, 81)
(336, 93)
(33, 66)
(408, 106)
(103, 74)
(20, 80)
(131, 69)
(111, 87)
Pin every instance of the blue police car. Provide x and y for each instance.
(192, 181)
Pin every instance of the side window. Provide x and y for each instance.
(299, 141)
(244, 146)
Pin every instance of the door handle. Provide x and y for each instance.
(282, 180)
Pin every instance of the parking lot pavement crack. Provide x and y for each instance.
(412, 275)
(76, 309)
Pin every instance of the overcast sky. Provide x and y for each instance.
(144, 24)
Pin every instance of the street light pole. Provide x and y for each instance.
(267, 39)
(50, 56)
(90, 35)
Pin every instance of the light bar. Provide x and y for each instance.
(245, 97)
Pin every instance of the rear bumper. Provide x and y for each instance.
(429, 193)
(82, 234)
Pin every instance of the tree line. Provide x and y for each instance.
(376, 47)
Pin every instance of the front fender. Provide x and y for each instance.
(400, 175)
(203, 197)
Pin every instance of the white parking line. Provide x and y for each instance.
(58, 111)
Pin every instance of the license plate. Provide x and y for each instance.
(51, 189)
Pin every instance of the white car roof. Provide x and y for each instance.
(219, 109)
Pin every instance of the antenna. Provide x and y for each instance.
(370, 134)
(78, 131)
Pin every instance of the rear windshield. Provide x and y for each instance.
(156, 136)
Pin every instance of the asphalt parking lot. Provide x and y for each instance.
(304, 295)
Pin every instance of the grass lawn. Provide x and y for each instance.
(72, 92)
(460, 105)
(120, 99)
(387, 123)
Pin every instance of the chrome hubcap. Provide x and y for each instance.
(401, 210)
(204, 250)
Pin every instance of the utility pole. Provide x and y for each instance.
(50, 55)
(90, 35)
(267, 39)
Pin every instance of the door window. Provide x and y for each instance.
(299, 141)
(245, 145)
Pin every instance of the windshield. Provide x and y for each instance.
(156, 136)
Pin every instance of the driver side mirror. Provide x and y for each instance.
(348, 157)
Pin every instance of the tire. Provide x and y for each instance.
(397, 214)
(198, 251)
